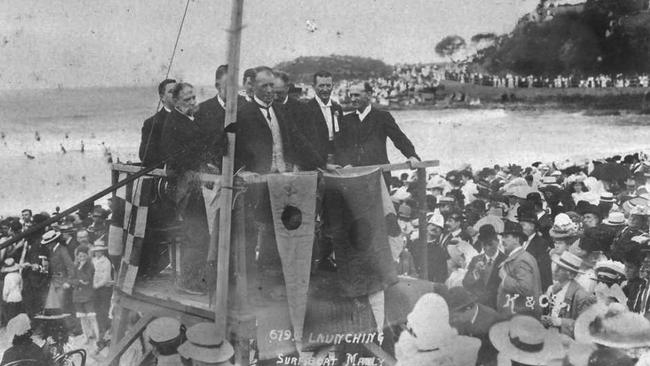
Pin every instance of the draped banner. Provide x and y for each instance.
(354, 212)
(293, 206)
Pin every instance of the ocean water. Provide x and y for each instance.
(109, 120)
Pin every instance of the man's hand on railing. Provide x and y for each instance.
(332, 167)
(412, 160)
(247, 176)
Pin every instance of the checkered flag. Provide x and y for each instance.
(128, 224)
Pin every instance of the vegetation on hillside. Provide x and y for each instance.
(608, 37)
(303, 68)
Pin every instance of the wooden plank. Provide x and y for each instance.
(130, 168)
(124, 343)
(118, 328)
(225, 218)
(185, 314)
(421, 197)
(385, 167)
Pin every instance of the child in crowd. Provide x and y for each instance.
(82, 296)
(103, 287)
(12, 289)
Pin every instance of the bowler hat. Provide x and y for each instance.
(486, 232)
(514, 229)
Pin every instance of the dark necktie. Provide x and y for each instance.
(268, 113)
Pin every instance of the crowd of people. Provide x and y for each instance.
(59, 276)
(556, 254)
(533, 265)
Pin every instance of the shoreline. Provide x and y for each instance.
(594, 101)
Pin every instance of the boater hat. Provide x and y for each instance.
(569, 261)
(615, 219)
(525, 340)
(10, 265)
(51, 314)
(204, 344)
(50, 236)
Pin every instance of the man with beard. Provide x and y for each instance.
(191, 145)
(150, 150)
(324, 116)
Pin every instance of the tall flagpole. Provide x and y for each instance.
(225, 216)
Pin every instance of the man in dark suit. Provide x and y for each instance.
(293, 110)
(366, 130)
(192, 146)
(536, 245)
(149, 151)
(482, 278)
(473, 319)
(267, 141)
(324, 118)
(212, 112)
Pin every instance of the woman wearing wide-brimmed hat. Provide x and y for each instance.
(614, 326)
(429, 340)
(23, 349)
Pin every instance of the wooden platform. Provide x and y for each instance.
(327, 312)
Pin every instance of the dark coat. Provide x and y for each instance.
(254, 144)
(83, 282)
(320, 132)
(486, 286)
(480, 328)
(365, 142)
(538, 248)
(190, 144)
(150, 150)
(212, 114)
(61, 265)
(26, 352)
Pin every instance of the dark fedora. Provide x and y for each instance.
(459, 298)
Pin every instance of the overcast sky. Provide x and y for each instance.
(46, 43)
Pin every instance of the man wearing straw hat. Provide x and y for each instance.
(102, 286)
(204, 346)
(567, 299)
(61, 269)
(523, 341)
